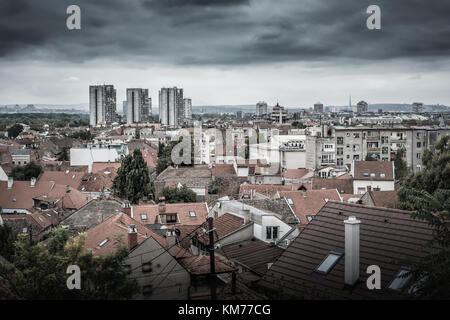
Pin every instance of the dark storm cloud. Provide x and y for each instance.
(224, 31)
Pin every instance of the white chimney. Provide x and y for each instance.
(351, 250)
(246, 215)
(32, 182)
(10, 182)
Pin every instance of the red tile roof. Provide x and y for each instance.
(364, 169)
(386, 199)
(223, 169)
(267, 190)
(182, 209)
(113, 227)
(70, 178)
(105, 166)
(21, 195)
(295, 173)
(342, 185)
(311, 204)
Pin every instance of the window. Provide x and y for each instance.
(289, 200)
(272, 233)
(419, 144)
(366, 174)
(384, 139)
(275, 232)
(382, 175)
(340, 140)
(328, 263)
(169, 218)
(325, 199)
(309, 218)
(419, 156)
(143, 216)
(192, 214)
(25, 230)
(340, 162)
(400, 280)
(147, 290)
(147, 267)
(340, 151)
(385, 150)
(372, 175)
(356, 135)
(356, 147)
(101, 244)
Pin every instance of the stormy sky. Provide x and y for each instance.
(223, 52)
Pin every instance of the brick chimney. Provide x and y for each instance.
(126, 208)
(351, 250)
(162, 205)
(132, 236)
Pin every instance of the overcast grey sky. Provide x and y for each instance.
(221, 52)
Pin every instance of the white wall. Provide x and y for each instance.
(383, 185)
(294, 159)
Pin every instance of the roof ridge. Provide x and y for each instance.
(368, 207)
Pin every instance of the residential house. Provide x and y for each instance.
(387, 199)
(306, 204)
(373, 175)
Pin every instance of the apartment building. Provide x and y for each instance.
(382, 143)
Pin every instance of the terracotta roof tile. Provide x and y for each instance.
(309, 203)
(364, 170)
(182, 209)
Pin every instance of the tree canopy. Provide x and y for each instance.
(132, 181)
(177, 195)
(401, 169)
(39, 271)
(15, 130)
(427, 194)
(26, 172)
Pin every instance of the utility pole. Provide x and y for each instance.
(212, 265)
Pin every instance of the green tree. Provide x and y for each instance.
(427, 194)
(7, 238)
(63, 155)
(83, 135)
(15, 130)
(179, 195)
(132, 180)
(26, 172)
(39, 271)
(401, 169)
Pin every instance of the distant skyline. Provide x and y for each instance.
(227, 52)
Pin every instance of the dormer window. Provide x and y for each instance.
(329, 262)
(192, 214)
(101, 244)
(382, 175)
(400, 280)
(143, 216)
(289, 201)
